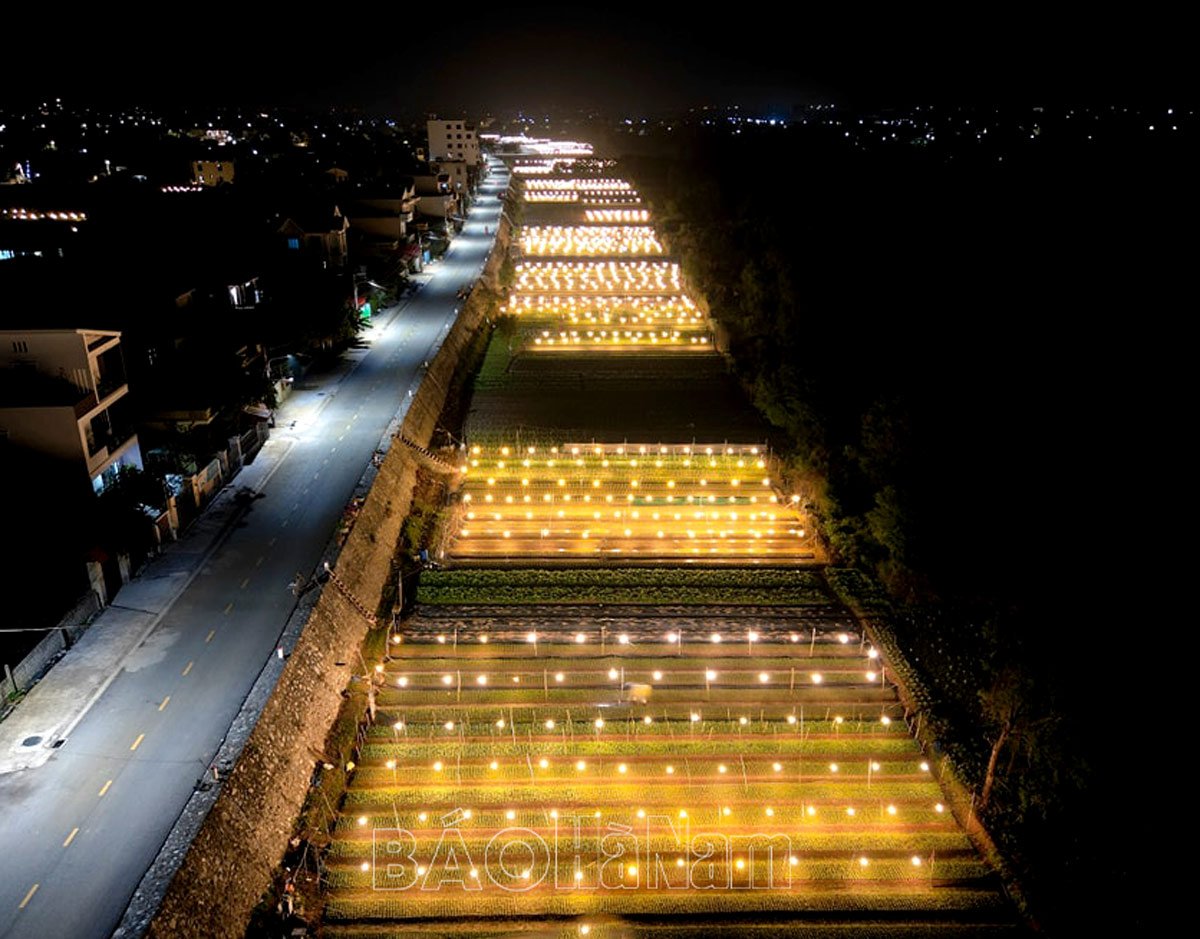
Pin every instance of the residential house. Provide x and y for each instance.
(63, 393)
(381, 220)
(436, 197)
(317, 237)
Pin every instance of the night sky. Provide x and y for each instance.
(423, 57)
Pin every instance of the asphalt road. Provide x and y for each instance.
(78, 833)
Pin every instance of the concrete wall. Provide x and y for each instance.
(230, 862)
(51, 430)
(34, 665)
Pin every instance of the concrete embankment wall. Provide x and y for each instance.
(230, 862)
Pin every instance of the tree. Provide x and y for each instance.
(1009, 706)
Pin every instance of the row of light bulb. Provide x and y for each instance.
(633, 309)
(31, 215)
(587, 198)
(635, 338)
(576, 185)
(586, 534)
(673, 638)
(621, 449)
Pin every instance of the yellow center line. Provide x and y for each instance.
(28, 897)
(163, 706)
(104, 789)
(245, 583)
(211, 633)
(137, 743)
(71, 837)
(187, 668)
(228, 608)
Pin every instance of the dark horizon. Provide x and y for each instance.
(400, 63)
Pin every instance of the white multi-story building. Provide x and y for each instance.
(453, 140)
(63, 393)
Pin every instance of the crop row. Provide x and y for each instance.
(355, 840)
(457, 903)
(522, 594)
(633, 576)
(558, 740)
(582, 791)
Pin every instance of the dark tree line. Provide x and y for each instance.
(939, 343)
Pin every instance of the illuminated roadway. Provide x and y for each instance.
(78, 833)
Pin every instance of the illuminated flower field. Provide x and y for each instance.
(550, 323)
(578, 185)
(630, 703)
(636, 501)
(642, 765)
(677, 311)
(583, 241)
(587, 190)
(598, 277)
(608, 216)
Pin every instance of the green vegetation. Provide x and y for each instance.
(765, 587)
(509, 733)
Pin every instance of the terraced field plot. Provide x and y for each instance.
(611, 216)
(585, 190)
(651, 395)
(630, 763)
(588, 240)
(550, 323)
(569, 589)
(712, 502)
(597, 277)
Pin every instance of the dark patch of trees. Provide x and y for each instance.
(957, 352)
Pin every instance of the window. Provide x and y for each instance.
(293, 244)
(20, 346)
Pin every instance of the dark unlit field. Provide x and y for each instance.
(614, 397)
